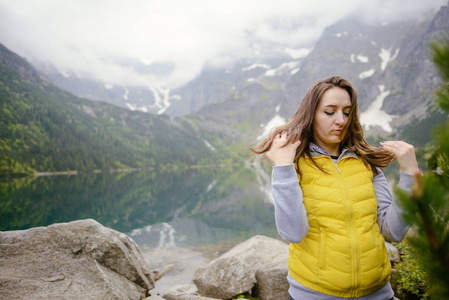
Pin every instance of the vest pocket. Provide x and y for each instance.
(322, 256)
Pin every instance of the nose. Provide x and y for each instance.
(340, 119)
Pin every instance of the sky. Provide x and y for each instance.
(91, 37)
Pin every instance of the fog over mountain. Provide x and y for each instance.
(93, 39)
(238, 69)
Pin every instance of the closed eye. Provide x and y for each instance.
(330, 113)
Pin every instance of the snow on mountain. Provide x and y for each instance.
(276, 121)
(294, 71)
(161, 98)
(131, 106)
(125, 96)
(367, 74)
(253, 66)
(360, 58)
(385, 55)
(288, 65)
(374, 115)
(160, 94)
(298, 53)
(341, 34)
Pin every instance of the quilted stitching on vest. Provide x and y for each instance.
(343, 253)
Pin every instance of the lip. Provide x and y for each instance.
(337, 131)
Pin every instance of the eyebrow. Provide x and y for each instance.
(332, 106)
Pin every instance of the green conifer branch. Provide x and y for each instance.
(428, 204)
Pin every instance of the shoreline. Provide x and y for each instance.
(76, 172)
(99, 171)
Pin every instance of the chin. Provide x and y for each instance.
(334, 140)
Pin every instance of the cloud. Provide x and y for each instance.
(84, 35)
(383, 11)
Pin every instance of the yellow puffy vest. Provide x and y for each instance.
(343, 254)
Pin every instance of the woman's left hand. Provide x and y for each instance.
(405, 154)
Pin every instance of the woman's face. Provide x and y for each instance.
(331, 116)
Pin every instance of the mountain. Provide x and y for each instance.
(229, 107)
(152, 98)
(389, 65)
(43, 128)
(214, 84)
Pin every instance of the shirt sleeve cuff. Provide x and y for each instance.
(405, 181)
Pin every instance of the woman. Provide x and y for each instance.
(332, 201)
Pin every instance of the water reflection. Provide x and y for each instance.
(263, 178)
(186, 218)
(185, 243)
(126, 201)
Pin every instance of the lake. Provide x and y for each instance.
(185, 218)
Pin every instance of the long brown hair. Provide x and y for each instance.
(300, 127)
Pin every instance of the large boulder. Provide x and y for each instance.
(272, 283)
(76, 260)
(259, 264)
(184, 292)
(224, 278)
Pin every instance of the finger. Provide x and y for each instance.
(296, 144)
(388, 145)
(392, 144)
(397, 153)
(397, 147)
(405, 154)
(279, 136)
(396, 144)
(291, 144)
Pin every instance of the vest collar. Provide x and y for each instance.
(316, 150)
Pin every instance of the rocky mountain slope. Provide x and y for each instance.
(389, 64)
(43, 128)
(153, 98)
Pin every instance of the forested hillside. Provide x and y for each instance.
(44, 129)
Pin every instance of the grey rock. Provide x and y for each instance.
(76, 260)
(261, 252)
(189, 289)
(154, 298)
(393, 253)
(224, 278)
(184, 292)
(265, 260)
(268, 260)
(272, 284)
(159, 273)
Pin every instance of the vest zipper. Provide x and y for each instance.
(354, 247)
(335, 163)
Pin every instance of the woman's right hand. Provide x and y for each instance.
(279, 155)
(405, 154)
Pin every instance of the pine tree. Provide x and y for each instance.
(428, 204)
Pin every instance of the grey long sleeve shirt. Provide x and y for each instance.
(292, 224)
